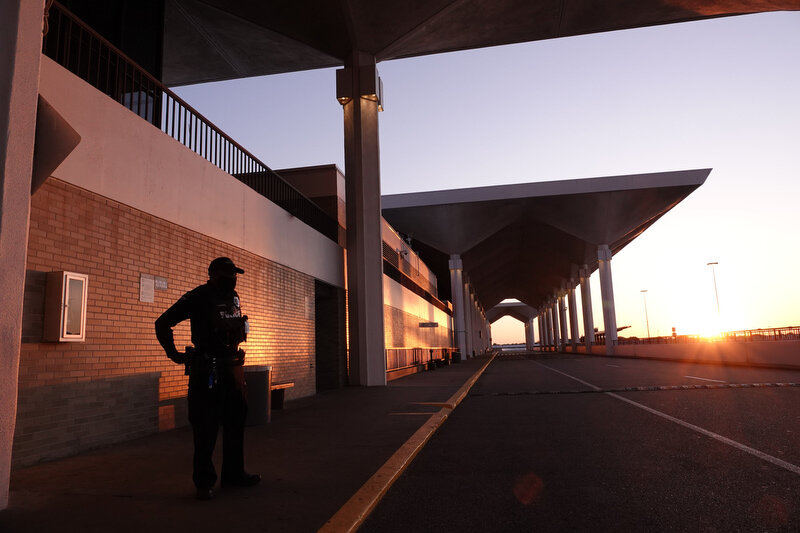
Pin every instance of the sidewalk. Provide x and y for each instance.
(313, 456)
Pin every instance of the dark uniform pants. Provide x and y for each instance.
(224, 403)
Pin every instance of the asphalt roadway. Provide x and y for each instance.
(600, 444)
(517, 443)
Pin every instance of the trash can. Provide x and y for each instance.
(259, 399)
(456, 357)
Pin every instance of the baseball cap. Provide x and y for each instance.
(224, 265)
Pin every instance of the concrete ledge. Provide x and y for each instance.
(777, 354)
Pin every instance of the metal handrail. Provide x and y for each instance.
(402, 358)
(84, 52)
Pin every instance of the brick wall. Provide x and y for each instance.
(75, 230)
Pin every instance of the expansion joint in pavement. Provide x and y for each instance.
(350, 517)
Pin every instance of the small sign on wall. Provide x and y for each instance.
(429, 324)
(147, 288)
(148, 284)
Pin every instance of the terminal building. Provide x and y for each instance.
(116, 195)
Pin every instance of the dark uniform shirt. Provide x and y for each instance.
(216, 321)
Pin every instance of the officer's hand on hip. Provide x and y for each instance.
(177, 357)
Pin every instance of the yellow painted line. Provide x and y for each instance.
(350, 517)
(434, 404)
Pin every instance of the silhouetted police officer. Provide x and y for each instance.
(217, 392)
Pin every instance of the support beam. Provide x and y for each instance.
(542, 334)
(468, 318)
(20, 54)
(562, 320)
(573, 315)
(529, 335)
(356, 90)
(554, 324)
(457, 292)
(586, 305)
(474, 326)
(607, 294)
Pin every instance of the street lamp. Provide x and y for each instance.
(646, 319)
(714, 276)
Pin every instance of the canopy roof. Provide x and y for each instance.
(517, 310)
(208, 40)
(523, 241)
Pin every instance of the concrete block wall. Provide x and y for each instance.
(99, 412)
(76, 230)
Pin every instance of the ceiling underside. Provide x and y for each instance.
(524, 241)
(209, 40)
(519, 311)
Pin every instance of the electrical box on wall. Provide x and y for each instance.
(65, 307)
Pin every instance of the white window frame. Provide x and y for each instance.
(57, 306)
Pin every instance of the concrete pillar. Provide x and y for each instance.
(20, 54)
(555, 325)
(540, 320)
(468, 324)
(473, 307)
(607, 294)
(529, 335)
(586, 304)
(562, 320)
(357, 89)
(573, 316)
(457, 293)
(542, 331)
(545, 331)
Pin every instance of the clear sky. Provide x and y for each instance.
(721, 94)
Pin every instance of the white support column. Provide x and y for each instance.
(573, 316)
(548, 327)
(562, 319)
(554, 314)
(468, 320)
(459, 311)
(542, 333)
(607, 294)
(485, 331)
(20, 54)
(476, 347)
(530, 339)
(586, 304)
(358, 90)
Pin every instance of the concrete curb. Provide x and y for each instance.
(353, 513)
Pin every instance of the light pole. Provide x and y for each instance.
(714, 276)
(646, 319)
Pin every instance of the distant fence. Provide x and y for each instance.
(747, 335)
(768, 334)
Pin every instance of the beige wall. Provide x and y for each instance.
(403, 311)
(126, 159)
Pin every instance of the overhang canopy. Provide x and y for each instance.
(209, 40)
(517, 310)
(524, 241)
